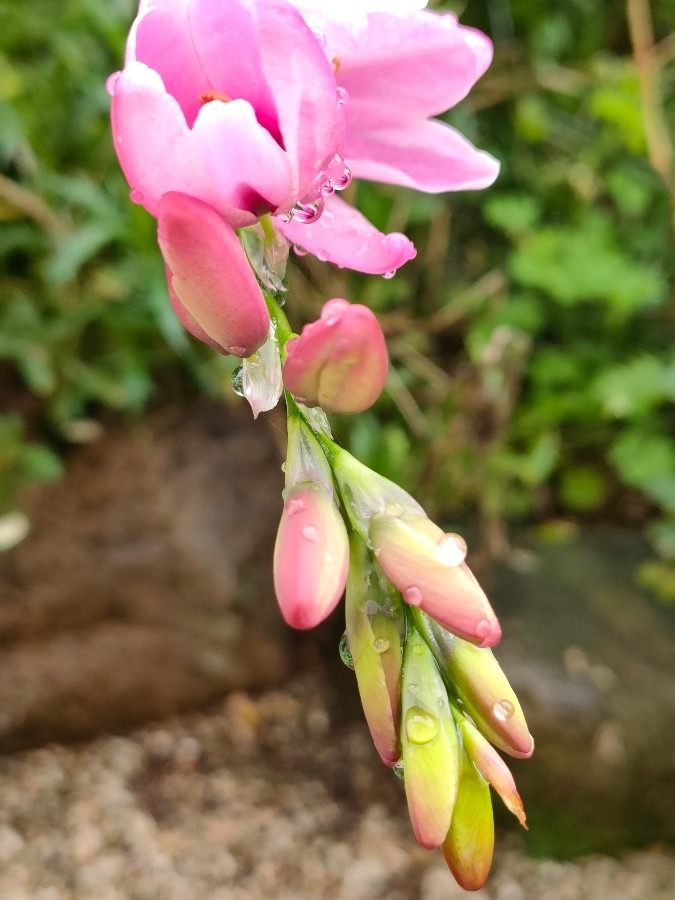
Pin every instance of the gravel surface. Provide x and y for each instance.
(269, 797)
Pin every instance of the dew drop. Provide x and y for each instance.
(483, 628)
(413, 595)
(294, 506)
(342, 181)
(393, 509)
(299, 251)
(451, 550)
(310, 533)
(390, 274)
(238, 381)
(418, 649)
(345, 652)
(136, 196)
(380, 644)
(398, 769)
(111, 81)
(306, 213)
(503, 710)
(420, 726)
(342, 95)
(414, 688)
(320, 37)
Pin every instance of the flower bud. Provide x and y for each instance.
(484, 690)
(375, 623)
(311, 556)
(429, 743)
(492, 767)
(426, 566)
(214, 292)
(469, 844)
(340, 361)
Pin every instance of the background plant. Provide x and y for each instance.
(533, 373)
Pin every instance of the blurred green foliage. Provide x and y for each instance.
(531, 340)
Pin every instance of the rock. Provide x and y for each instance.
(592, 660)
(145, 585)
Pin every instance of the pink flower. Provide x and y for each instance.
(339, 362)
(212, 288)
(311, 556)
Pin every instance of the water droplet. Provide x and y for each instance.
(111, 81)
(342, 181)
(320, 37)
(306, 213)
(503, 710)
(393, 509)
(294, 506)
(238, 381)
(483, 628)
(343, 95)
(327, 189)
(398, 769)
(322, 256)
(345, 652)
(418, 649)
(420, 726)
(413, 595)
(136, 196)
(380, 644)
(389, 274)
(414, 688)
(299, 251)
(310, 532)
(451, 550)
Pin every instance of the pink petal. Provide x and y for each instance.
(210, 274)
(340, 362)
(227, 45)
(305, 93)
(159, 153)
(161, 39)
(428, 156)
(410, 68)
(345, 237)
(187, 320)
(311, 556)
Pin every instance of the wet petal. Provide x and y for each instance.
(430, 746)
(210, 274)
(415, 559)
(311, 556)
(345, 237)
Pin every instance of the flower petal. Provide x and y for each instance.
(210, 274)
(345, 237)
(408, 69)
(427, 156)
(311, 556)
(305, 93)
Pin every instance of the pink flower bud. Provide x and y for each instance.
(311, 556)
(340, 361)
(213, 290)
(426, 566)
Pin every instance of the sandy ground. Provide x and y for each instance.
(260, 797)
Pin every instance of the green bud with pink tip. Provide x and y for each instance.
(429, 744)
(375, 631)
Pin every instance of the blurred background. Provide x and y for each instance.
(165, 736)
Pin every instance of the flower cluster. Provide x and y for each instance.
(238, 123)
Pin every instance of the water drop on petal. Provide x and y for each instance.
(299, 251)
(294, 506)
(420, 726)
(389, 274)
(503, 710)
(310, 533)
(398, 769)
(380, 645)
(451, 550)
(414, 688)
(413, 595)
(343, 95)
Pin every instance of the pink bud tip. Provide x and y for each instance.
(311, 556)
(339, 362)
